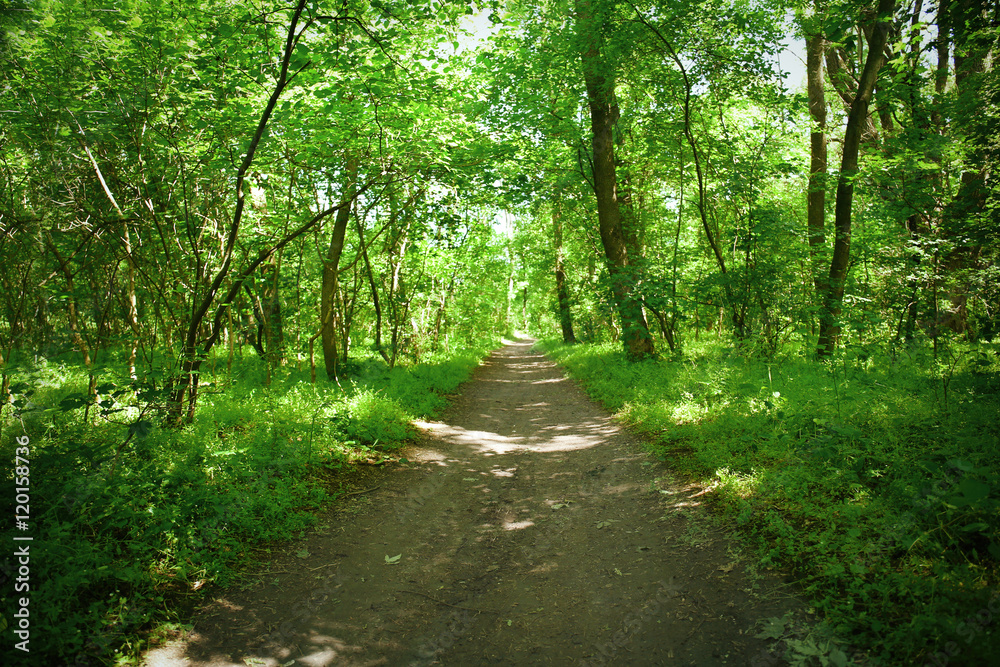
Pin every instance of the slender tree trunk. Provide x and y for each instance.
(72, 316)
(330, 274)
(604, 113)
(186, 383)
(830, 327)
(132, 310)
(399, 304)
(442, 308)
(274, 326)
(847, 88)
(562, 293)
(816, 199)
(665, 329)
(374, 289)
(970, 21)
(738, 319)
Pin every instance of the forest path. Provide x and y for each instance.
(529, 532)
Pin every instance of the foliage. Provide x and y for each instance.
(203, 202)
(130, 519)
(880, 495)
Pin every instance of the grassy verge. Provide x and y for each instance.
(874, 480)
(129, 520)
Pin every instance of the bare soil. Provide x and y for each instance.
(527, 529)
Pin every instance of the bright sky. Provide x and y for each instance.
(791, 59)
(479, 26)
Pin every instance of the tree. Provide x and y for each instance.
(816, 197)
(830, 327)
(598, 75)
(562, 292)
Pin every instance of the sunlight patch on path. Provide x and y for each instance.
(488, 443)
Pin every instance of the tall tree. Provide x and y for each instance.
(599, 76)
(562, 293)
(816, 198)
(829, 323)
(331, 265)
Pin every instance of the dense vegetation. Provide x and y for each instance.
(243, 244)
(858, 476)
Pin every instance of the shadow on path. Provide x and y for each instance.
(530, 530)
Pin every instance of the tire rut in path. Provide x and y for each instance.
(530, 532)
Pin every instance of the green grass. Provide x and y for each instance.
(130, 519)
(875, 487)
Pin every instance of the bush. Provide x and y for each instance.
(862, 475)
(126, 517)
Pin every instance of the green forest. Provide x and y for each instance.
(243, 245)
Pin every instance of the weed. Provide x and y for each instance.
(858, 475)
(130, 520)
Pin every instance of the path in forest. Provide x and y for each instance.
(529, 530)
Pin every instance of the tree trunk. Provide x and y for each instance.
(132, 310)
(399, 304)
(816, 199)
(330, 269)
(72, 311)
(274, 329)
(376, 304)
(604, 114)
(192, 357)
(829, 326)
(562, 293)
(964, 214)
(846, 87)
(738, 318)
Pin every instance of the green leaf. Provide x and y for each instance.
(837, 658)
(973, 490)
(774, 628)
(73, 401)
(141, 428)
(976, 527)
(393, 560)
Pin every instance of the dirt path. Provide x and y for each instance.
(529, 531)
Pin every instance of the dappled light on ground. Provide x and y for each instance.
(524, 530)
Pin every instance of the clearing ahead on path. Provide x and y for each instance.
(528, 530)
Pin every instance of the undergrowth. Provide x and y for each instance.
(129, 519)
(874, 480)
